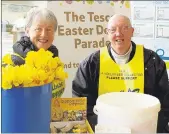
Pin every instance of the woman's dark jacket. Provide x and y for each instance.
(23, 46)
(86, 81)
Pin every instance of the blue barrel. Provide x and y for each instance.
(26, 110)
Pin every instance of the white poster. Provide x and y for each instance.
(82, 30)
(162, 30)
(145, 30)
(141, 12)
(153, 29)
(162, 13)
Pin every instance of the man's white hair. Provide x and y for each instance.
(112, 18)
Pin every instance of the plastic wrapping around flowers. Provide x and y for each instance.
(40, 68)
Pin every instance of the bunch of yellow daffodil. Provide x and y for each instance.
(40, 68)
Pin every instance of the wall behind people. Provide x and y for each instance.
(82, 30)
(13, 14)
(151, 22)
(13, 10)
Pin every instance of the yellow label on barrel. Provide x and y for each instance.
(58, 88)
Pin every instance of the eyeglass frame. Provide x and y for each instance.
(111, 32)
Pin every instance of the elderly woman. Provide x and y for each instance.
(40, 28)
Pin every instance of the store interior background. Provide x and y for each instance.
(13, 13)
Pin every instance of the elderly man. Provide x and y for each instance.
(119, 57)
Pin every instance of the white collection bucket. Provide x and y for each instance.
(136, 111)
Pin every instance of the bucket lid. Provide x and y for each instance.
(128, 102)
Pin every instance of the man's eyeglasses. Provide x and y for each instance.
(122, 30)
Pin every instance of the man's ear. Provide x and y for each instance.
(27, 31)
(107, 30)
(132, 31)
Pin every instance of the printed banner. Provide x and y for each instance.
(82, 30)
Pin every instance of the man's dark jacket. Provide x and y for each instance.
(86, 82)
(23, 46)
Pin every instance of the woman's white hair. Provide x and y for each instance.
(41, 12)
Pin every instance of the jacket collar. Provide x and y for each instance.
(147, 54)
(24, 45)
